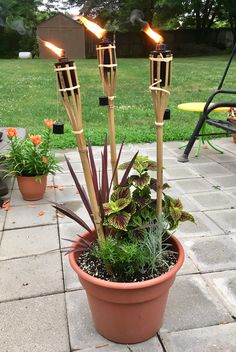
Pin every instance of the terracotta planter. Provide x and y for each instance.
(127, 312)
(234, 138)
(30, 188)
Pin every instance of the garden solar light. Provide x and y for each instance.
(68, 86)
(107, 64)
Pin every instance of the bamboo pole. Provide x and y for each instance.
(160, 94)
(71, 99)
(108, 78)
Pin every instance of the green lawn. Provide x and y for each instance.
(28, 95)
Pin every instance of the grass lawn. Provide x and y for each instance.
(28, 95)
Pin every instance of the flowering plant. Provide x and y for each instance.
(31, 156)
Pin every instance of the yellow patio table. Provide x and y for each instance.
(203, 138)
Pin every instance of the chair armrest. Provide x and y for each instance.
(208, 109)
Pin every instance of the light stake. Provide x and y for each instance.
(107, 64)
(69, 88)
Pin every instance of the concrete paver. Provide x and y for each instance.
(208, 254)
(36, 324)
(220, 338)
(28, 241)
(191, 304)
(201, 305)
(30, 276)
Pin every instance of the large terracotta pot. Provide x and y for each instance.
(30, 188)
(127, 312)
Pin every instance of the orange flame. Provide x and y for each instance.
(58, 51)
(93, 27)
(155, 36)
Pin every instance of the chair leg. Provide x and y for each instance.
(184, 157)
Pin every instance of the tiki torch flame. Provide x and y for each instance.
(93, 27)
(155, 36)
(58, 51)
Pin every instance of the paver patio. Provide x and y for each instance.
(43, 307)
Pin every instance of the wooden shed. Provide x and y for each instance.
(63, 32)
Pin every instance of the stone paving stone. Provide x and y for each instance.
(16, 198)
(188, 267)
(70, 277)
(224, 182)
(209, 339)
(225, 285)
(65, 180)
(170, 163)
(30, 276)
(209, 254)
(34, 325)
(226, 219)
(28, 241)
(180, 173)
(230, 166)
(77, 167)
(211, 169)
(22, 216)
(222, 158)
(68, 194)
(150, 345)
(193, 185)
(203, 226)
(191, 304)
(213, 200)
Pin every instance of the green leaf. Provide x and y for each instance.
(108, 208)
(152, 165)
(121, 192)
(122, 203)
(140, 181)
(142, 198)
(186, 217)
(175, 213)
(119, 220)
(178, 204)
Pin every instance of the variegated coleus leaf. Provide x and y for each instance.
(141, 164)
(119, 220)
(115, 207)
(140, 181)
(142, 198)
(186, 217)
(121, 192)
(175, 213)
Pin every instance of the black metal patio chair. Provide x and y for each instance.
(226, 125)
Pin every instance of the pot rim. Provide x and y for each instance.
(128, 285)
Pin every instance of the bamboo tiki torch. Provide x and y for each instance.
(160, 77)
(107, 64)
(69, 88)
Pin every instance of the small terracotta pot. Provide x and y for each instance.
(30, 188)
(127, 312)
(234, 138)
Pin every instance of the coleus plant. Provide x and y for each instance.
(126, 209)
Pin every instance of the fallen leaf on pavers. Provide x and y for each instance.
(41, 213)
(48, 188)
(60, 188)
(6, 205)
(31, 206)
(100, 346)
(60, 215)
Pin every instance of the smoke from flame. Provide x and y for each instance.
(137, 16)
(91, 26)
(58, 51)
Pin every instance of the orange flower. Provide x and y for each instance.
(44, 159)
(48, 123)
(36, 139)
(11, 132)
